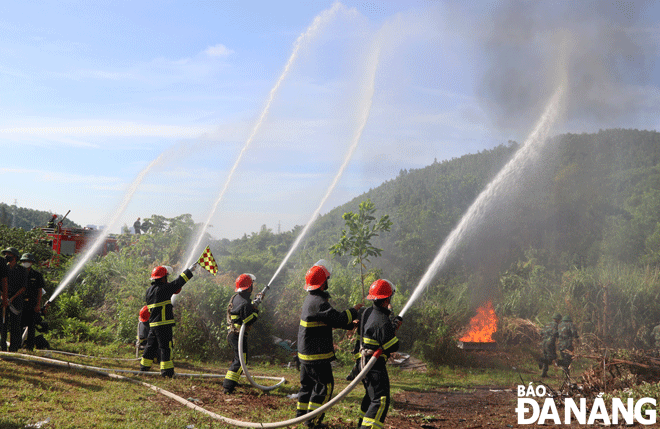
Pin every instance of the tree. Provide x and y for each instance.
(357, 241)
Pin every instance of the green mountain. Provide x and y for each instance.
(20, 217)
(590, 198)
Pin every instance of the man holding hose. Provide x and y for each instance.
(315, 346)
(377, 332)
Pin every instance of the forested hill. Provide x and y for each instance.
(593, 197)
(24, 218)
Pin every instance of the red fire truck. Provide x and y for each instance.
(69, 241)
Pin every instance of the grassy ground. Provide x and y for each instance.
(36, 395)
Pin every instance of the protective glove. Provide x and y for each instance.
(398, 321)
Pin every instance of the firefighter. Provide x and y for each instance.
(32, 300)
(161, 319)
(240, 311)
(377, 331)
(142, 330)
(13, 301)
(315, 346)
(549, 344)
(136, 226)
(358, 341)
(51, 222)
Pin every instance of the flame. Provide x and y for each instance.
(482, 326)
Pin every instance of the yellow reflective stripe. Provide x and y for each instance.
(161, 323)
(159, 304)
(233, 376)
(349, 316)
(328, 355)
(369, 422)
(312, 324)
(234, 317)
(390, 343)
(381, 409)
(146, 362)
(370, 341)
(250, 317)
(163, 316)
(313, 405)
(357, 356)
(167, 365)
(184, 276)
(300, 406)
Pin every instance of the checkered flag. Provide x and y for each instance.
(208, 261)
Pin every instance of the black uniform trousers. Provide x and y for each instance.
(316, 386)
(28, 320)
(235, 370)
(376, 400)
(13, 326)
(159, 344)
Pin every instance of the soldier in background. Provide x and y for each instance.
(567, 333)
(32, 300)
(549, 344)
(655, 339)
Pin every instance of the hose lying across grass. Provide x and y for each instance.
(239, 423)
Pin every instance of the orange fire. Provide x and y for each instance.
(482, 326)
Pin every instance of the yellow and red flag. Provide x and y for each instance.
(208, 261)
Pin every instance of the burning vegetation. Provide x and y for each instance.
(481, 329)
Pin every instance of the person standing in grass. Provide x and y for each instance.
(549, 344)
(32, 300)
(567, 334)
(240, 311)
(315, 346)
(13, 300)
(161, 319)
(377, 331)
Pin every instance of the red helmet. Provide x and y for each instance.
(316, 277)
(381, 289)
(145, 314)
(244, 281)
(159, 272)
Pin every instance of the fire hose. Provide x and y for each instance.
(241, 337)
(239, 423)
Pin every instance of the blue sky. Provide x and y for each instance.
(91, 93)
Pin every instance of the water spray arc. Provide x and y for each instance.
(527, 154)
(368, 100)
(94, 247)
(312, 30)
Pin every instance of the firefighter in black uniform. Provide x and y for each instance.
(32, 300)
(357, 355)
(161, 320)
(13, 300)
(315, 346)
(240, 311)
(377, 332)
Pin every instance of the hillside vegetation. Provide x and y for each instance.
(579, 235)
